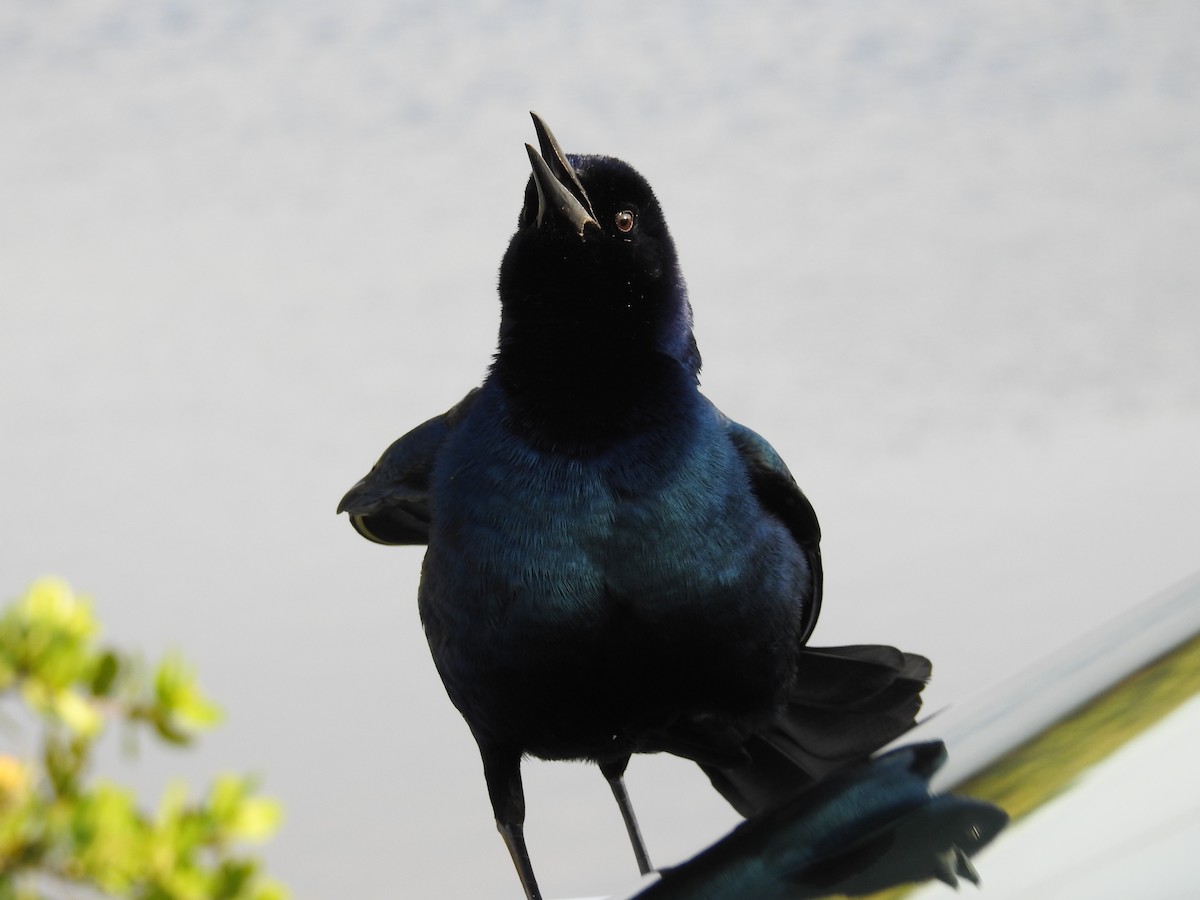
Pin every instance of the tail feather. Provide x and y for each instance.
(847, 702)
(837, 677)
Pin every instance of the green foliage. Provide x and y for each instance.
(58, 826)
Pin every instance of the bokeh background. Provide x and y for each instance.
(943, 255)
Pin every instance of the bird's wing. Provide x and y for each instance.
(779, 494)
(391, 504)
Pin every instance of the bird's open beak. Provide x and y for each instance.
(560, 193)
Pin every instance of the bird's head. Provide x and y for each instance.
(592, 270)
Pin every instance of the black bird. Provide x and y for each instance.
(613, 565)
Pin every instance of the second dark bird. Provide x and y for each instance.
(613, 565)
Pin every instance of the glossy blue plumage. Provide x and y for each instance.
(628, 589)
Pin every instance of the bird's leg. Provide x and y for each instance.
(614, 772)
(502, 771)
(514, 839)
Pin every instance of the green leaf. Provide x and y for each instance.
(51, 602)
(104, 674)
(79, 715)
(257, 819)
(180, 698)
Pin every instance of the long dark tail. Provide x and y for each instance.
(847, 703)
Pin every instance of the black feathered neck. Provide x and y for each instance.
(595, 331)
(586, 409)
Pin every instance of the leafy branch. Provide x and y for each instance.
(58, 825)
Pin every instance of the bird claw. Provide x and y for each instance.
(944, 870)
(964, 866)
(953, 864)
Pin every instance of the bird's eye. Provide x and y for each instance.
(625, 221)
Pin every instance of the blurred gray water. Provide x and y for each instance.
(943, 257)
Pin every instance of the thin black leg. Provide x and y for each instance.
(614, 772)
(514, 839)
(502, 770)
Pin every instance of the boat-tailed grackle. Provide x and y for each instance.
(613, 565)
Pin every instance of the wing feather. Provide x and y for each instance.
(391, 504)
